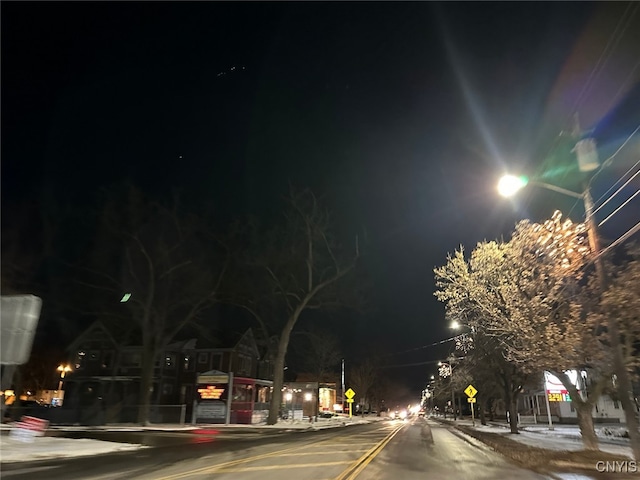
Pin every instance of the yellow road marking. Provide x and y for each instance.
(278, 467)
(229, 464)
(360, 464)
(332, 452)
(224, 465)
(340, 444)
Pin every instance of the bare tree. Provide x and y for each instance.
(362, 378)
(164, 267)
(293, 267)
(322, 353)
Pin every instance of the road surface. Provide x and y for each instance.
(383, 450)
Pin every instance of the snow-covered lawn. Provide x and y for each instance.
(12, 450)
(562, 437)
(56, 447)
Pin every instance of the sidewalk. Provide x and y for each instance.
(561, 438)
(50, 447)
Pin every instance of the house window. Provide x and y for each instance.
(216, 361)
(244, 364)
(203, 358)
(188, 363)
(262, 394)
(242, 393)
(107, 359)
(80, 359)
(131, 359)
(170, 361)
(616, 405)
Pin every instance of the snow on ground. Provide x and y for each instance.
(562, 437)
(55, 447)
(12, 450)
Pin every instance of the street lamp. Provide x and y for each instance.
(63, 369)
(509, 185)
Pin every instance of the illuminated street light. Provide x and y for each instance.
(455, 325)
(63, 369)
(510, 184)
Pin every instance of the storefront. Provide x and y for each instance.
(245, 402)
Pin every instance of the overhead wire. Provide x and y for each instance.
(620, 239)
(614, 185)
(612, 43)
(604, 164)
(620, 207)
(608, 161)
(446, 340)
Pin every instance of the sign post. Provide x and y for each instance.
(213, 406)
(19, 316)
(471, 393)
(350, 394)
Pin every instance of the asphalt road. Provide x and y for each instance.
(381, 450)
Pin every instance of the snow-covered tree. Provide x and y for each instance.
(531, 296)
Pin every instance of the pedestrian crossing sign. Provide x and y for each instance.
(470, 391)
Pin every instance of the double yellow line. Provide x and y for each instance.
(212, 468)
(359, 465)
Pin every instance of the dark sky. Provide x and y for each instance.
(402, 114)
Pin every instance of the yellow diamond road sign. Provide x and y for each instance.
(349, 393)
(470, 391)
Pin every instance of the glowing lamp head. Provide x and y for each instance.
(510, 184)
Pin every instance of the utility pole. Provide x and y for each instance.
(587, 161)
(342, 379)
(453, 398)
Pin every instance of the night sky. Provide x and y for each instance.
(403, 115)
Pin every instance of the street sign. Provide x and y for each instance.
(350, 394)
(470, 391)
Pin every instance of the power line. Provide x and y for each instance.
(446, 340)
(618, 209)
(619, 180)
(617, 191)
(608, 161)
(411, 364)
(604, 56)
(604, 164)
(621, 239)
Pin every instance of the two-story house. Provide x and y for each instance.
(105, 382)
